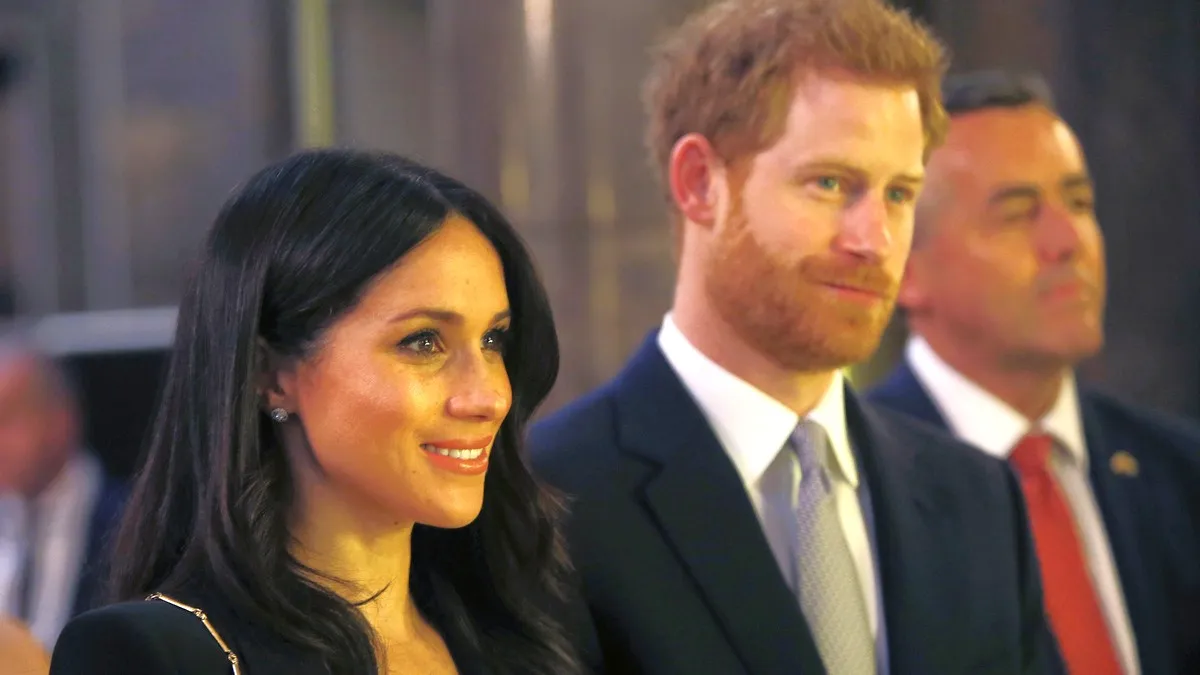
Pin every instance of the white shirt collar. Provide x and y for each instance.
(981, 419)
(750, 425)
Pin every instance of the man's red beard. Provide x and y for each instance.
(787, 312)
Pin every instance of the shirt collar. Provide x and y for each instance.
(983, 420)
(750, 425)
(62, 485)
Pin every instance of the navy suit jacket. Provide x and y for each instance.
(679, 576)
(1152, 514)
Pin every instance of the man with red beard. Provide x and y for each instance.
(1004, 295)
(734, 507)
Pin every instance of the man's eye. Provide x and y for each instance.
(829, 183)
(899, 195)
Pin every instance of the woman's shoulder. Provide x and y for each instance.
(132, 638)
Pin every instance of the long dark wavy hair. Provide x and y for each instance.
(290, 253)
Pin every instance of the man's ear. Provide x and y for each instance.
(694, 173)
(276, 379)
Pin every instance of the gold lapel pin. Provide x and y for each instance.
(1123, 464)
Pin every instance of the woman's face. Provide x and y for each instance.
(401, 401)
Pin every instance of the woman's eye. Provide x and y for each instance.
(424, 342)
(496, 340)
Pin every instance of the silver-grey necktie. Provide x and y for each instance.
(827, 582)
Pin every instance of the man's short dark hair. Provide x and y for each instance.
(977, 90)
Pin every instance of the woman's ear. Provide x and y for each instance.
(276, 380)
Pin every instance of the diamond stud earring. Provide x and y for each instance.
(279, 415)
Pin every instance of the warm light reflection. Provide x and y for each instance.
(539, 31)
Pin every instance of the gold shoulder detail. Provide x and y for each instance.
(199, 613)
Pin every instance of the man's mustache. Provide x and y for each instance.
(858, 276)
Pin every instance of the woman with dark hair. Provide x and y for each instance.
(334, 481)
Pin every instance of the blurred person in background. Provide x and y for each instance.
(1004, 295)
(335, 479)
(57, 503)
(735, 507)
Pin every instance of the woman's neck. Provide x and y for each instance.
(358, 557)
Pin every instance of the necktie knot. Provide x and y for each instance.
(810, 444)
(1031, 456)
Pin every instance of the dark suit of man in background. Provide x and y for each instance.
(1005, 295)
(736, 509)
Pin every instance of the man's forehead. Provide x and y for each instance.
(1006, 144)
(840, 116)
(1005, 131)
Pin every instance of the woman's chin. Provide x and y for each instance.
(455, 517)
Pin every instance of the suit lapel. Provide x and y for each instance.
(1116, 496)
(908, 528)
(704, 513)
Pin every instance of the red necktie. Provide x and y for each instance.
(1071, 602)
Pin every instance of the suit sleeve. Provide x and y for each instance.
(1040, 648)
(111, 643)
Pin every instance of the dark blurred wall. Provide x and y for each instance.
(119, 392)
(129, 124)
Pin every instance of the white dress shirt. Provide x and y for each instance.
(988, 423)
(60, 545)
(754, 429)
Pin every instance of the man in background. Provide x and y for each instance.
(1004, 295)
(56, 502)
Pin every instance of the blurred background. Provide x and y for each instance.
(125, 123)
